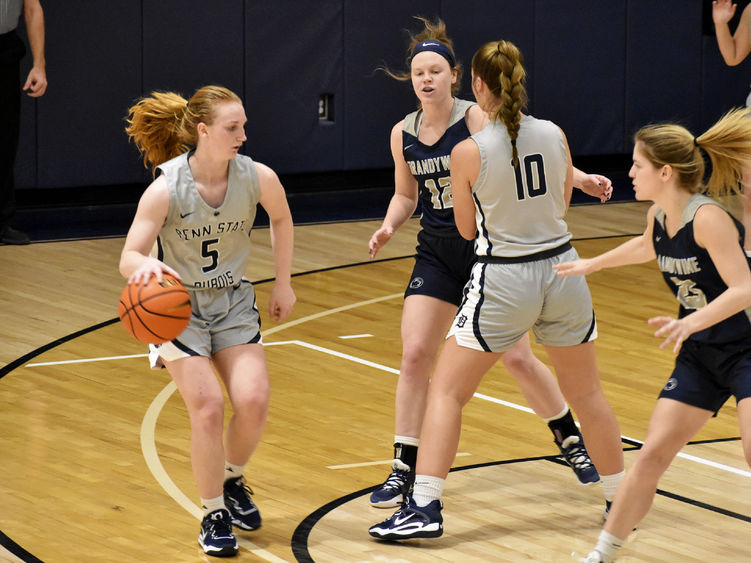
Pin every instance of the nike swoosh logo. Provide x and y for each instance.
(658, 239)
(399, 520)
(408, 146)
(184, 215)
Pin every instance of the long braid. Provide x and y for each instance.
(512, 93)
(500, 65)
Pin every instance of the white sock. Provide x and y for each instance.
(209, 505)
(610, 484)
(557, 416)
(232, 471)
(427, 489)
(407, 440)
(608, 546)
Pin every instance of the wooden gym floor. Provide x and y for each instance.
(95, 444)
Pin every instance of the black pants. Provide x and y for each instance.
(11, 51)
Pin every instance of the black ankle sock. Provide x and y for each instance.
(406, 454)
(563, 427)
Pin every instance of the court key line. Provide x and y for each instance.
(148, 426)
(148, 430)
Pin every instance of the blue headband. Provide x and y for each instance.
(436, 47)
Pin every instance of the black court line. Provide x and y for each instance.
(5, 541)
(301, 534)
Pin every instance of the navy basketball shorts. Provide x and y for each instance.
(442, 267)
(705, 375)
(221, 318)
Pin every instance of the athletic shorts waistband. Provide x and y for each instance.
(565, 247)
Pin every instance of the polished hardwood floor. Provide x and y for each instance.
(95, 444)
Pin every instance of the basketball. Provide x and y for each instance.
(155, 312)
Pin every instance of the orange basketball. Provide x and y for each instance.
(155, 312)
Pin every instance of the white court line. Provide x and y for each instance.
(382, 462)
(151, 456)
(690, 457)
(84, 360)
(355, 336)
(148, 426)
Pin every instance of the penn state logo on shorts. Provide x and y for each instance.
(671, 384)
(416, 282)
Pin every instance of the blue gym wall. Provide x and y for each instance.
(598, 69)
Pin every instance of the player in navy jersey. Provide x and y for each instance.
(200, 211)
(421, 145)
(699, 250)
(510, 290)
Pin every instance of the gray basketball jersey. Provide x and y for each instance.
(519, 211)
(208, 246)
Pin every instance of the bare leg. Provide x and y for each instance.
(202, 393)
(672, 425)
(458, 373)
(537, 383)
(425, 321)
(243, 369)
(576, 368)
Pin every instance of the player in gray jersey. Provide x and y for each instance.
(712, 334)
(198, 214)
(421, 147)
(512, 288)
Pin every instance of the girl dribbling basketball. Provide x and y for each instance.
(199, 213)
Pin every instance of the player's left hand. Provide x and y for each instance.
(281, 301)
(673, 330)
(597, 186)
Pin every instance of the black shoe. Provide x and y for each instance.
(243, 511)
(575, 454)
(13, 236)
(216, 537)
(393, 492)
(411, 521)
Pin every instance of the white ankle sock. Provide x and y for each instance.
(427, 489)
(608, 546)
(209, 505)
(610, 484)
(232, 471)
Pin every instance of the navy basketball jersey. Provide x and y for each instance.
(691, 275)
(430, 165)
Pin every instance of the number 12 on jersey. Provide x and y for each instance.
(440, 198)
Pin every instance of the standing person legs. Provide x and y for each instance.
(218, 458)
(458, 373)
(542, 392)
(245, 374)
(576, 369)
(672, 425)
(203, 397)
(425, 321)
(10, 122)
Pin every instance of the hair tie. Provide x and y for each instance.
(435, 47)
(513, 142)
(696, 143)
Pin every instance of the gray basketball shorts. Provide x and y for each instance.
(504, 301)
(221, 318)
